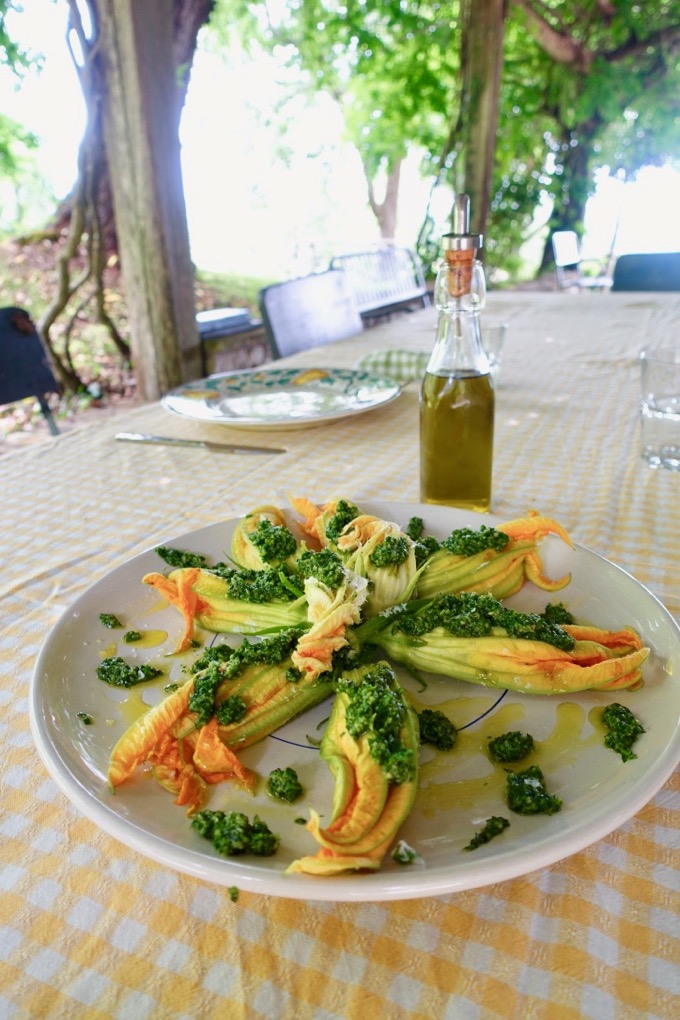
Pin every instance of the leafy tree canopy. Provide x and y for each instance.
(586, 83)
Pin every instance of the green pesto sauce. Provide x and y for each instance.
(526, 793)
(118, 673)
(110, 620)
(511, 746)
(285, 785)
(492, 827)
(470, 614)
(274, 542)
(179, 558)
(437, 729)
(233, 834)
(391, 552)
(624, 729)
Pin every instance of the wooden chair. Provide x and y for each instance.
(308, 312)
(659, 271)
(568, 262)
(24, 368)
(384, 280)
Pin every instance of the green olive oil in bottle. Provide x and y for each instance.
(457, 396)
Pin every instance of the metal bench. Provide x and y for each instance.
(384, 280)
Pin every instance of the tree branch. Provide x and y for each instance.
(560, 46)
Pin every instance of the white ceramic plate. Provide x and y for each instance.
(459, 790)
(279, 398)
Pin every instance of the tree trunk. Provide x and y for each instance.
(385, 212)
(140, 109)
(482, 32)
(569, 206)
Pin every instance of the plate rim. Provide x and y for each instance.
(501, 865)
(393, 387)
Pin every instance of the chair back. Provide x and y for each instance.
(659, 271)
(24, 368)
(308, 312)
(384, 279)
(566, 253)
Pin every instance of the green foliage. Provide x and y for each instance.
(395, 69)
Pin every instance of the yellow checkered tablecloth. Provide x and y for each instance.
(91, 929)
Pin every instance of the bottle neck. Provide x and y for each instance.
(458, 346)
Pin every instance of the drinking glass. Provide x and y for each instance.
(660, 407)
(493, 337)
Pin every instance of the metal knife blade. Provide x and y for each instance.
(142, 437)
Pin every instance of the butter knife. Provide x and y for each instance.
(141, 437)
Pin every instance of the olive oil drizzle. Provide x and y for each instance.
(468, 778)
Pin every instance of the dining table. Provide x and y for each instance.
(94, 927)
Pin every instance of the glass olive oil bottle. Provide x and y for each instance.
(457, 396)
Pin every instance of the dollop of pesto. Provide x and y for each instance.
(624, 729)
(274, 542)
(376, 707)
(324, 566)
(437, 729)
(257, 586)
(511, 746)
(284, 784)
(392, 551)
(118, 673)
(526, 793)
(180, 557)
(468, 542)
(344, 514)
(470, 614)
(233, 834)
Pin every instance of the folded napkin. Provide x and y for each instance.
(402, 366)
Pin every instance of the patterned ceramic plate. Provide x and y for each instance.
(281, 398)
(458, 790)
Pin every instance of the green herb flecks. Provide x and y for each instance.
(403, 853)
(492, 827)
(110, 620)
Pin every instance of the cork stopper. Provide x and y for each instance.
(460, 248)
